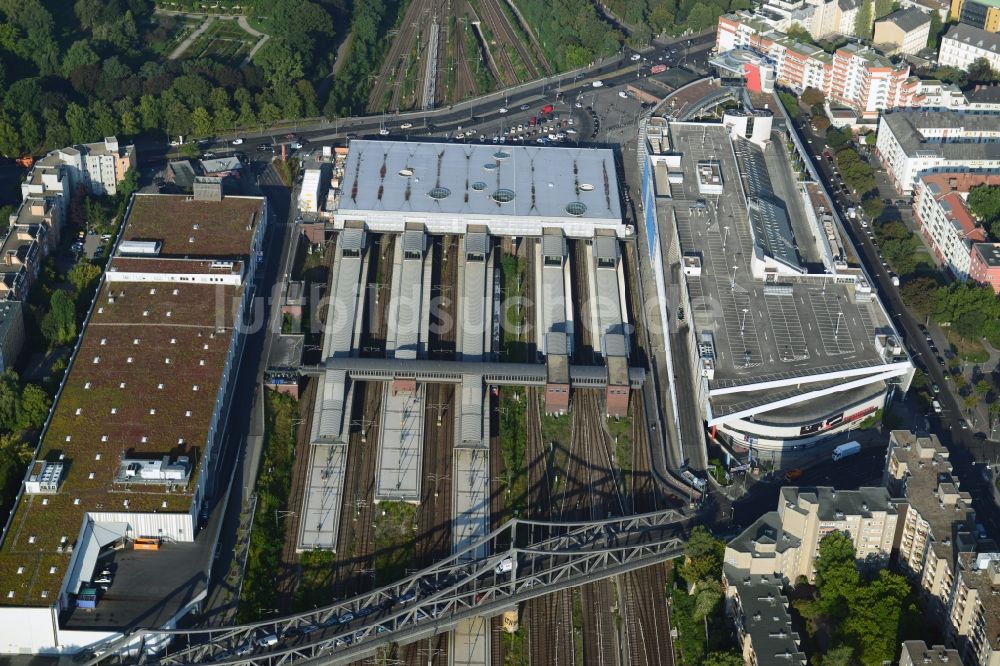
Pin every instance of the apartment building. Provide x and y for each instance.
(759, 611)
(956, 568)
(984, 265)
(936, 516)
(786, 541)
(964, 44)
(903, 31)
(975, 609)
(911, 143)
(944, 220)
(984, 14)
(916, 653)
(854, 76)
(99, 167)
(782, 546)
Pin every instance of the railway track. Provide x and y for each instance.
(379, 288)
(399, 53)
(582, 336)
(495, 15)
(465, 84)
(444, 298)
(491, 16)
(433, 538)
(288, 577)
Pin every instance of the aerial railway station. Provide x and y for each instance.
(403, 214)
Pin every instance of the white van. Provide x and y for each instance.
(937, 406)
(506, 565)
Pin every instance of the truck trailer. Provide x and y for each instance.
(844, 450)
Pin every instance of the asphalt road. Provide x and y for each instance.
(970, 455)
(481, 113)
(242, 451)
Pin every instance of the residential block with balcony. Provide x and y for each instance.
(944, 220)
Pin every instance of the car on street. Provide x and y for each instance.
(935, 389)
(264, 147)
(502, 109)
(936, 406)
(237, 142)
(597, 84)
(406, 126)
(385, 132)
(623, 94)
(296, 145)
(963, 424)
(524, 107)
(635, 57)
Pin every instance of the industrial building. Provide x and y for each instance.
(771, 316)
(166, 326)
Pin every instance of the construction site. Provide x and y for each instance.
(478, 366)
(449, 50)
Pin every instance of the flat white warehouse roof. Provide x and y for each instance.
(481, 180)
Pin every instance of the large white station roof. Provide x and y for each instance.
(480, 180)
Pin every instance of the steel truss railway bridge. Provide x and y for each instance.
(545, 558)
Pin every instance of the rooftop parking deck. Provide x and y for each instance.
(797, 325)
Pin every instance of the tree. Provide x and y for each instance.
(201, 122)
(279, 62)
(979, 71)
(984, 202)
(79, 121)
(982, 388)
(882, 8)
(836, 574)
(837, 138)
(821, 122)
(919, 294)
(706, 599)
(812, 96)
(83, 275)
(864, 20)
(59, 324)
(935, 31)
(722, 659)
(10, 400)
(79, 55)
(35, 404)
(873, 207)
(871, 138)
(799, 34)
(703, 556)
(841, 655)
(874, 622)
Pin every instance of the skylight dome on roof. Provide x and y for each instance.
(439, 193)
(479, 186)
(503, 195)
(576, 208)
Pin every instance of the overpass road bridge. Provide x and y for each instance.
(529, 559)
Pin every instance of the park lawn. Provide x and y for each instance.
(968, 349)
